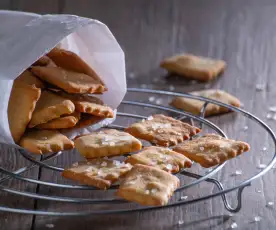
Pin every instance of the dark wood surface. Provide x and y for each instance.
(240, 32)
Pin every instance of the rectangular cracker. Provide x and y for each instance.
(45, 141)
(211, 149)
(108, 142)
(162, 158)
(50, 106)
(162, 130)
(195, 106)
(69, 81)
(28, 78)
(100, 173)
(21, 105)
(71, 61)
(147, 185)
(63, 122)
(194, 67)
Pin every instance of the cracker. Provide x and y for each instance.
(21, 105)
(162, 130)
(147, 185)
(89, 104)
(195, 106)
(69, 81)
(108, 142)
(44, 61)
(45, 141)
(64, 122)
(211, 149)
(50, 106)
(194, 67)
(71, 61)
(28, 78)
(87, 120)
(162, 158)
(100, 173)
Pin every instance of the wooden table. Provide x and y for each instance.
(240, 32)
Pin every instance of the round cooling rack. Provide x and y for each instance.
(118, 204)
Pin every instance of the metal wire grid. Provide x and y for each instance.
(198, 178)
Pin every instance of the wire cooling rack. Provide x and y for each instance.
(116, 203)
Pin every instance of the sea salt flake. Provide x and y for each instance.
(89, 169)
(169, 166)
(75, 164)
(261, 166)
(201, 148)
(272, 109)
(131, 182)
(270, 204)
(154, 190)
(234, 225)
(237, 172)
(257, 218)
(151, 99)
(180, 222)
(183, 197)
(112, 143)
(260, 87)
(49, 226)
(150, 118)
(104, 164)
(258, 191)
(147, 192)
(143, 120)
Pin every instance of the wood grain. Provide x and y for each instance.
(239, 32)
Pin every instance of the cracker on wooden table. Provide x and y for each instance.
(21, 105)
(45, 141)
(101, 173)
(28, 78)
(160, 157)
(162, 130)
(44, 61)
(194, 67)
(71, 61)
(211, 149)
(63, 122)
(195, 106)
(69, 81)
(148, 185)
(89, 104)
(50, 106)
(109, 142)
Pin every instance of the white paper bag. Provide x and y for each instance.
(25, 37)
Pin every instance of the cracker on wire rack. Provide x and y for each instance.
(101, 173)
(194, 67)
(160, 157)
(194, 106)
(108, 142)
(162, 130)
(211, 149)
(148, 185)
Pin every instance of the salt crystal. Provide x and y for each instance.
(49, 226)
(104, 164)
(272, 109)
(143, 120)
(257, 218)
(238, 172)
(260, 87)
(269, 116)
(261, 166)
(264, 148)
(234, 225)
(131, 182)
(169, 166)
(152, 99)
(75, 164)
(143, 86)
(117, 163)
(154, 190)
(171, 88)
(159, 101)
(131, 75)
(184, 198)
(180, 222)
(112, 143)
(201, 148)
(258, 191)
(89, 169)
(245, 128)
(150, 118)
(147, 191)
(270, 204)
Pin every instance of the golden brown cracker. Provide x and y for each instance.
(69, 81)
(162, 130)
(21, 105)
(44, 61)
(211, 149)
(195, 106)
(63, 122)
(148, 185)
(50, 106)
(162, 158)
(28, 78)
(109, 142)
(101, 173)
(194, 67)
(45, 141)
